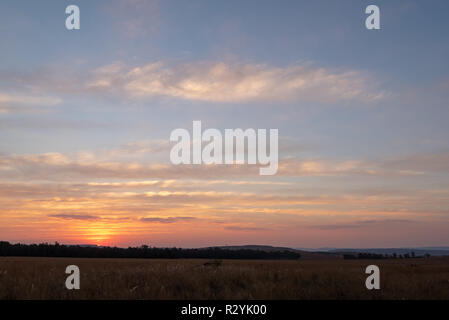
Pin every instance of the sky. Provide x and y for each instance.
(86, 116)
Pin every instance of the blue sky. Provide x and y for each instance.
(409, 51)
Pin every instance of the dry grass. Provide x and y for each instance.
(44, 278)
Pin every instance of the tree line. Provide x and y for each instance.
(374, 256)
(142, 252)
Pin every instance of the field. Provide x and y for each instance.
(44, 278)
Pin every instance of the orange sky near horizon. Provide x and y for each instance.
(279, 210)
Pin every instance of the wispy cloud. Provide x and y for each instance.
(229, 82)
(167, 220)
(363, 224)
(52, 166)
(239, 228)
(212, 81)
(26, 103)
(74, 216)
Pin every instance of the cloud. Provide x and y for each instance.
(237, 228)
(209, 81)
(53, 165)
(185, 183)
(26, 103)
(363, 224)
(167, 220)
(320, 167)
(230, 82)
(56, 166)
(141, 147)
(420, 163)
(125, 184)
(74, 216)
(417, 164)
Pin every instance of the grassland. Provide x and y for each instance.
(44, 278)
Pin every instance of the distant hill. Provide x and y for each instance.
(433, 248)
(305, 255)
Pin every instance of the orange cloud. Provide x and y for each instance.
(228, 82)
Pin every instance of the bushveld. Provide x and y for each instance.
(44, 278)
